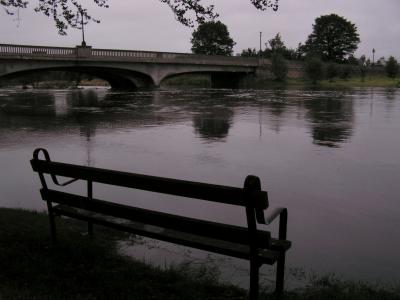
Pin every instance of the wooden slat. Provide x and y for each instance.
(280, 245)
(215, 230)
(190, 189)
(169, 235)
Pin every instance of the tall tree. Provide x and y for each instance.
(65, 12)
(212, 38)
(392, 67)
(276, 45)
(333, 38)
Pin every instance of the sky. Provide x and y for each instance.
(150, 25)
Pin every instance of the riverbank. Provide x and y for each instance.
(337, 83)
(203, 81)
(82, 268)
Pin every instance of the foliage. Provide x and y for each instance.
(212, 38)
(392, 67)
(279, 67)
(313, 68)
(331, 71)
(352, 60)
(276, 45)
(67, 13)
(345, 72)
(249, 52)
(333, 38)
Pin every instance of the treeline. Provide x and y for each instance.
(327, 53)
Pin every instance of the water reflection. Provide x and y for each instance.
(211, 113)
(213, 125)
(28, 104)
(331, 120)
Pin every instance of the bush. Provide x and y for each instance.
(392, 67)
(313, 68)
(279, 67)
(345, 72)
(331, 71)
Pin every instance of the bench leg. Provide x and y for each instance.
(52, 222)
(254, 279)
(280, 275)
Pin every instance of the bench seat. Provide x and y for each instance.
(266, 256)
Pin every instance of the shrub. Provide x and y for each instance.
(279, 67)
(345, 72)
(313, 68)
(331, 71)
(392, 67)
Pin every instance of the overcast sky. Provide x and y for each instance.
(150, 25)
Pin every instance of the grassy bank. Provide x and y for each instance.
(337, 83)
(81, 268)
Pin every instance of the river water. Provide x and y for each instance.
(330, 157)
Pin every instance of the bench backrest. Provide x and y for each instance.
(250, 196)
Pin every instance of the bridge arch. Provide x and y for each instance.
(218, 79)
(117, 78)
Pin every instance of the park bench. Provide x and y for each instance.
(249, 243)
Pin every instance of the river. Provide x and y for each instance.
(330, 157)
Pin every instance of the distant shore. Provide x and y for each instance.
(203, 81)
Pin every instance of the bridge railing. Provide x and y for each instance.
(124, 55)
(36, 50)
(171, 56)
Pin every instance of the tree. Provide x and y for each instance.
(279, 66)
(392, 67)
(331, 71)
(345, 72)
(276, 45)
(333, 38)
(66, 13)
(212, 38)
(313, 68)
(249, 52)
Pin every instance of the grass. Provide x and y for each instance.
(78, 267)
(369, 81)
(336, 83)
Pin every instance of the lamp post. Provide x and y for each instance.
(83, 31)
(259, 53)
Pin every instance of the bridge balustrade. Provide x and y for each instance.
(36, 50)
(125, 55)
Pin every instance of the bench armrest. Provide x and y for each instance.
(283, 216)
(53, 177)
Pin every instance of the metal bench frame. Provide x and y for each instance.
(248, 243)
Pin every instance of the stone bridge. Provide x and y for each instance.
(125, 68)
